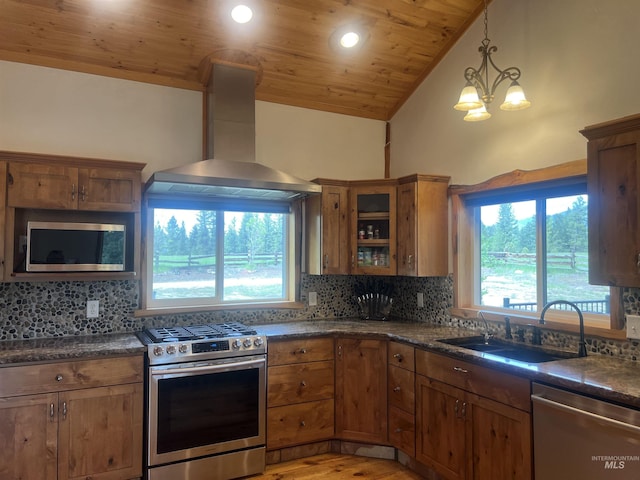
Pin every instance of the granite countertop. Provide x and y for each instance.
(599, 375)
(68, 348)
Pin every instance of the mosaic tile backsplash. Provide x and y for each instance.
(53, 309)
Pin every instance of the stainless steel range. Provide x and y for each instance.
(206, 401)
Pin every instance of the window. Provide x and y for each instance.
(218, 254)
(523, 244)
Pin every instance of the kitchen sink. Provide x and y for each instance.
(509, 350)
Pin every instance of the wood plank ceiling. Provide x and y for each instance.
(166, 41)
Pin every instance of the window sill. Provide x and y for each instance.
(153, 312)
(469, 313)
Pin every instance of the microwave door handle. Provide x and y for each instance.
(208, 368)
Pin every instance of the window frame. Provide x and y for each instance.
(466, 245)
(293, 252)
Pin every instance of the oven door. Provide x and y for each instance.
(204, 408)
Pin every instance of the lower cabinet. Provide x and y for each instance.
(361, 390)
(300, 392)
(401, 397)
(472, 422)
(81, 430)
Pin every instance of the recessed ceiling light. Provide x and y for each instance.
(241, 13)
(349, 39)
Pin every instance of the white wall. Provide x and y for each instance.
(579, 67)
(45, 110)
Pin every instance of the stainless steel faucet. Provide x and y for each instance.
(582, 346)
(487, 335)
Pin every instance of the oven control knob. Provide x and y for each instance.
(258, 342)
(171, 349)
(157, 351)
(237, 343)
(183, 348)
(247, 343)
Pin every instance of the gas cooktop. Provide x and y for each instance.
(198, 332)
(201, 342)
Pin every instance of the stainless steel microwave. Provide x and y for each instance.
(75, 247)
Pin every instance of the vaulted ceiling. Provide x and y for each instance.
(289, 42)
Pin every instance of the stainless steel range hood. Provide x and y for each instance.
(231, 170)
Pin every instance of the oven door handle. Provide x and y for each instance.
(208, 368)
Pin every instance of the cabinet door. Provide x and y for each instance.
(3, 218)
(440, 427)
(101, 433)
(361, 390)
(373, 229)
(499, 440)
(38, 185)
(407, 248)
(109, 189)
(28, 437)
(613, 179)
(335, 230)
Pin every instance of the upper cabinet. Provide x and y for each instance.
(53, 186)
(422, 225)
(613, 185)
(373, 227)
(327, 229)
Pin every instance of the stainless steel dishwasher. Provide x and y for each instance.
(582, 438)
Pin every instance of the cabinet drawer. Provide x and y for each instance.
(300, 350)
(299, 424)
(487, 382)
(302, 382)
(401, 355)
(401, 389)
(402, 431)
(56, 377)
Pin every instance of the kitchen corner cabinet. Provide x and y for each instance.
(361, 390)
(327, 229)
(423, 226)
(300, 392)
(72, 420)
(472, 422)
(373, 227)
(613, 185)
(401, 395)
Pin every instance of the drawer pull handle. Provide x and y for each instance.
(398, 430)
(302, 350)
(464, 409)
(303, 424)
(58, 378)
(455, 409)
(397, 389)
(64, 410)
(461, 370)
(51, 410)
(303, 383)
(398, 356)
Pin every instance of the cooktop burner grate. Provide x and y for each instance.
(197, 332)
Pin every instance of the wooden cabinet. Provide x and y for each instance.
(49, 188)
(613, 185)
(300, 392)
(75, 420)
(401, 397)
(327, 229)
(65, 187)
(423, 226)
(472, 422)
(361, 390)
(373, 227)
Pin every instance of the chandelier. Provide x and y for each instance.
(478, 93)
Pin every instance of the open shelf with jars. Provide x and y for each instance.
(373, 217)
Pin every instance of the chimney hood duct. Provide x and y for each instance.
(231, 170)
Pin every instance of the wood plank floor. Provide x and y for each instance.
(333, 466)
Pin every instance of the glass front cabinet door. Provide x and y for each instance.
(373, 227)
